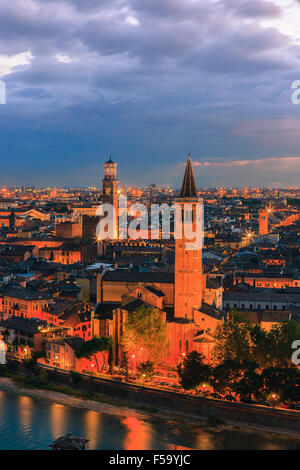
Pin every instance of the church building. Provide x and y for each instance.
(189, 302)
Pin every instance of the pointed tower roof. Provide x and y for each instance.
(110, 160)
(189, 185)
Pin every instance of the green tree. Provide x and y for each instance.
(110, 357)
(145, 370)
(280, 339)
(291, 385)
(92, 347)
(233, 339)
(273, 379)
(194, 371)
(261, 345)
(145, 335)
(225, 375)
(284, 382)
(124, 365)
(249, 383)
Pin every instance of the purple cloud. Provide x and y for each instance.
(159, 75)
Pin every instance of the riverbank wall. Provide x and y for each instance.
(179, 403)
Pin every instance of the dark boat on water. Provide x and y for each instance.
(69, 442)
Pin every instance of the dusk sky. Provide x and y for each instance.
(145, 81)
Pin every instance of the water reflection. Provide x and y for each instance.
(92, 422)
(139, 434)
(25, 412)
(205, 441)
(58, 420)
(27, 423)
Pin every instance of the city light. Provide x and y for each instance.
(151, 285)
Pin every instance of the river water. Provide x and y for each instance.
(30, 423)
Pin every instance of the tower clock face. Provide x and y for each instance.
(107, 190)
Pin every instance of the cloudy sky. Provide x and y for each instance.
(147, 80)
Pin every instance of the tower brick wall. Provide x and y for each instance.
(110, 186)
(188, 262)
(263, 222)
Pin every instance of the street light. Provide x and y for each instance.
(99, 241)
(249, 236)
(274, 398)
(133, 361)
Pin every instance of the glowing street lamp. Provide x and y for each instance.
(99, 242)
(274, 398)
(133, 361)
(205, 387)
(249, 236)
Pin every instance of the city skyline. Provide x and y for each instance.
(213, 166)
(149, 227)
(194, 309)
(84, 81)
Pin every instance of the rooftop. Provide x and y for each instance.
(24, 294)
(137, 276)
(30, 325)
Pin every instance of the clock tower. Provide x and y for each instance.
(110, 185)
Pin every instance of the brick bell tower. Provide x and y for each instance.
(188, 263)
(263, 222)
(110, 185)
